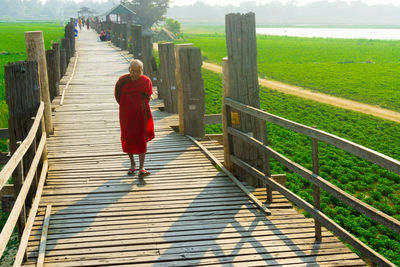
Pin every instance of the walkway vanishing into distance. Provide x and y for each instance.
(185, 213)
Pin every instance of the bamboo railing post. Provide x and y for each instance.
(56, 48)
(241, 46)
(316, 189)
(167, 81)
(193, 94)
(35, 51)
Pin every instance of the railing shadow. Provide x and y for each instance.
(211, 237)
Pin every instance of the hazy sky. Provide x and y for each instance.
(299, 2)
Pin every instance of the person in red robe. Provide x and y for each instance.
(133, 93)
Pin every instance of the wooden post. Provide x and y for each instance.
(130, 38)
(65, 46)
(23, 99)
(167, 82)
(147, 55)
(179, 84)
(225, 112)
(123, 36)
(35, 51)
(316, 190)
(137, 41)
(243, 80)
(70, 36)
(265, 158)
(63, 62)
(193, 94)
(56, 48)
(52, 73)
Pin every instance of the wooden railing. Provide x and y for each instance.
(16, 161)
(312, 176)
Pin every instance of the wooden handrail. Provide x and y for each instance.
(317, 214)
(355, 203)
(351, 147)
(12, 165)
(13, 162)
(20, 201)
(32, 215)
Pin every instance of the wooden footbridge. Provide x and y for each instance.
(191, 211)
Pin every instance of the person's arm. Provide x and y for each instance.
(117, 90)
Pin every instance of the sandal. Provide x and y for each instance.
(132, 171)
(143, 173)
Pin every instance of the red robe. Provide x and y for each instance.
(136, 121)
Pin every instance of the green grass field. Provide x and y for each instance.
(12, 48)
(361, 70)
(368, 182)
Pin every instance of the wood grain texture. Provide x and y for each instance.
(185, 213)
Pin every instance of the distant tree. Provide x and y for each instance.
(147, 12)
(173, 26)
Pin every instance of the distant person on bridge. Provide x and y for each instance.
(80, 23)
(133, 93)
(87, 23)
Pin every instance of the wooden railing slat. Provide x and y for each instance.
(357, 204)
(317, 214)
(13, 162)
(351, 147)
(20, 201)
(31, 218)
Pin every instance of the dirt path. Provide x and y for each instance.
(319, 97)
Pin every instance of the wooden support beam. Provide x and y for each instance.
(136, 31)
(193, 94)
(178, 77)
(52, 73)
(66, 45)
(63, 62)
(147, 55)
(35, 51)
(241, 46)
(123, 36)
(56, 48)
(167, 83)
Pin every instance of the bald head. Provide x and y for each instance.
(136, 69)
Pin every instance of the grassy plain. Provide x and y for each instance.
(361, 70)
(366, 181)
(12, 48)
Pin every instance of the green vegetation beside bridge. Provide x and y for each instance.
(360, 70)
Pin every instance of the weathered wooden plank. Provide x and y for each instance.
(43, 237)
(185, 213)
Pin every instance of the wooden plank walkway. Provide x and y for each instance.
(185, 213)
